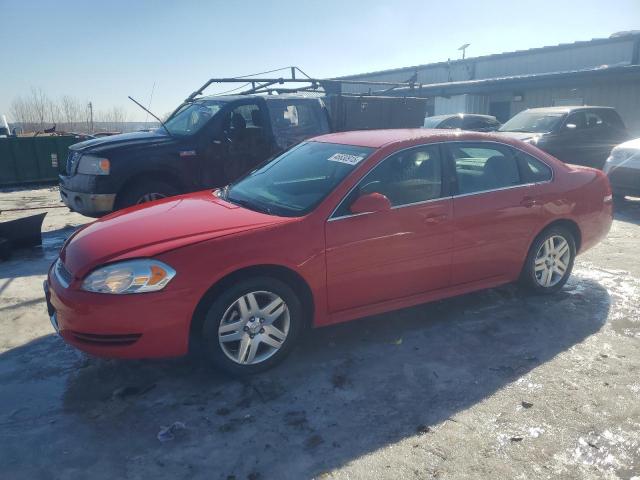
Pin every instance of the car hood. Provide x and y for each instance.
(631, 144)
(123, 140)
(524, 136)
(148, 230)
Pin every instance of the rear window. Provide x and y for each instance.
(532, 169)
(611, 118)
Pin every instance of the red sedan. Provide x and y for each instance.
(339, 227)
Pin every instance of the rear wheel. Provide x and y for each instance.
(550, 261)
(252, 326)
(144, 191)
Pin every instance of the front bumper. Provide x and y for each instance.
(90, 204)
(146, 325)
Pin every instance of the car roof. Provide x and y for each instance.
(567, 109)
(380, 138)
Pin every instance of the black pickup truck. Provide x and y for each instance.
(211, 141)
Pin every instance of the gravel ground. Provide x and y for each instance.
(496, 384)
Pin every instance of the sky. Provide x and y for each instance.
(104, 51)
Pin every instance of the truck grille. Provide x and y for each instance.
(72, 162)
(64, 276)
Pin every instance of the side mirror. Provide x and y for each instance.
(570, 126)
(369, 203)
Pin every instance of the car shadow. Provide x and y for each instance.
(346, 391)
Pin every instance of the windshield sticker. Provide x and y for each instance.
(346, 158)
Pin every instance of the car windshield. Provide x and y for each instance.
(432, 122)
(193, 116)
(533, 122)
(295, 182)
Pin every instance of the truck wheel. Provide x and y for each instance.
(144, 191)
(252, 326)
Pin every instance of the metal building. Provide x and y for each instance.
(604, 72)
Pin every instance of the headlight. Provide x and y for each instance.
(90, 165)
(131, 276)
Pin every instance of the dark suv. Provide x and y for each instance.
(580, 135)
(463, 121)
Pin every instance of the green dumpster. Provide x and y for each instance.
(33, 159)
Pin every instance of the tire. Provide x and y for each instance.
(226, 328)
(536, 275)
(136, 193)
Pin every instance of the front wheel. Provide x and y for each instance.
(252, 326)
(143, 192)
(550, 261)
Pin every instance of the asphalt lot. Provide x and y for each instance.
(496, 384)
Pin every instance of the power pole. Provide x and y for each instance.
(90, 106)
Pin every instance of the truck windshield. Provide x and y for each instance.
(294, 183)
(533, 122)
(193, 116)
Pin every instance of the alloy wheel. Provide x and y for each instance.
(254, 327)
(552, 261)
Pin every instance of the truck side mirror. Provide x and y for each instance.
(570, 126)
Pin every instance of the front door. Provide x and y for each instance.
(238, 143)
(494, 212)
(381, 256)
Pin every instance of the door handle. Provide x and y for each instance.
(435, 218)
(528, 202)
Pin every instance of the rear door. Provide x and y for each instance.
(238, 142)
(404, 251)
(296, 119)
(572, 143)
(494, 212)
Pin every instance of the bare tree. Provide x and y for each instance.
(20, 112)
(39, 103)
(72, 112)
(113, 118)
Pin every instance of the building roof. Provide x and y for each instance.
(568, 108)
(621, 37)
(521, 81)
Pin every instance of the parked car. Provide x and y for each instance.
(578, 135)
(339, 227)
(212, 141)
(623, 169)
(463, 121)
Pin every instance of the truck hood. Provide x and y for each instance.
(124, 140)
(148, 230)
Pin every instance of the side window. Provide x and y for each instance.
(578, 119)
(593, 120)
(481, 168)
(407, 177)
(611, 118)
(532, 169)
(243, 123)
(295, 121)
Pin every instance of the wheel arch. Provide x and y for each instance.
(570, 225)
(146, 175)
(282, 273)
